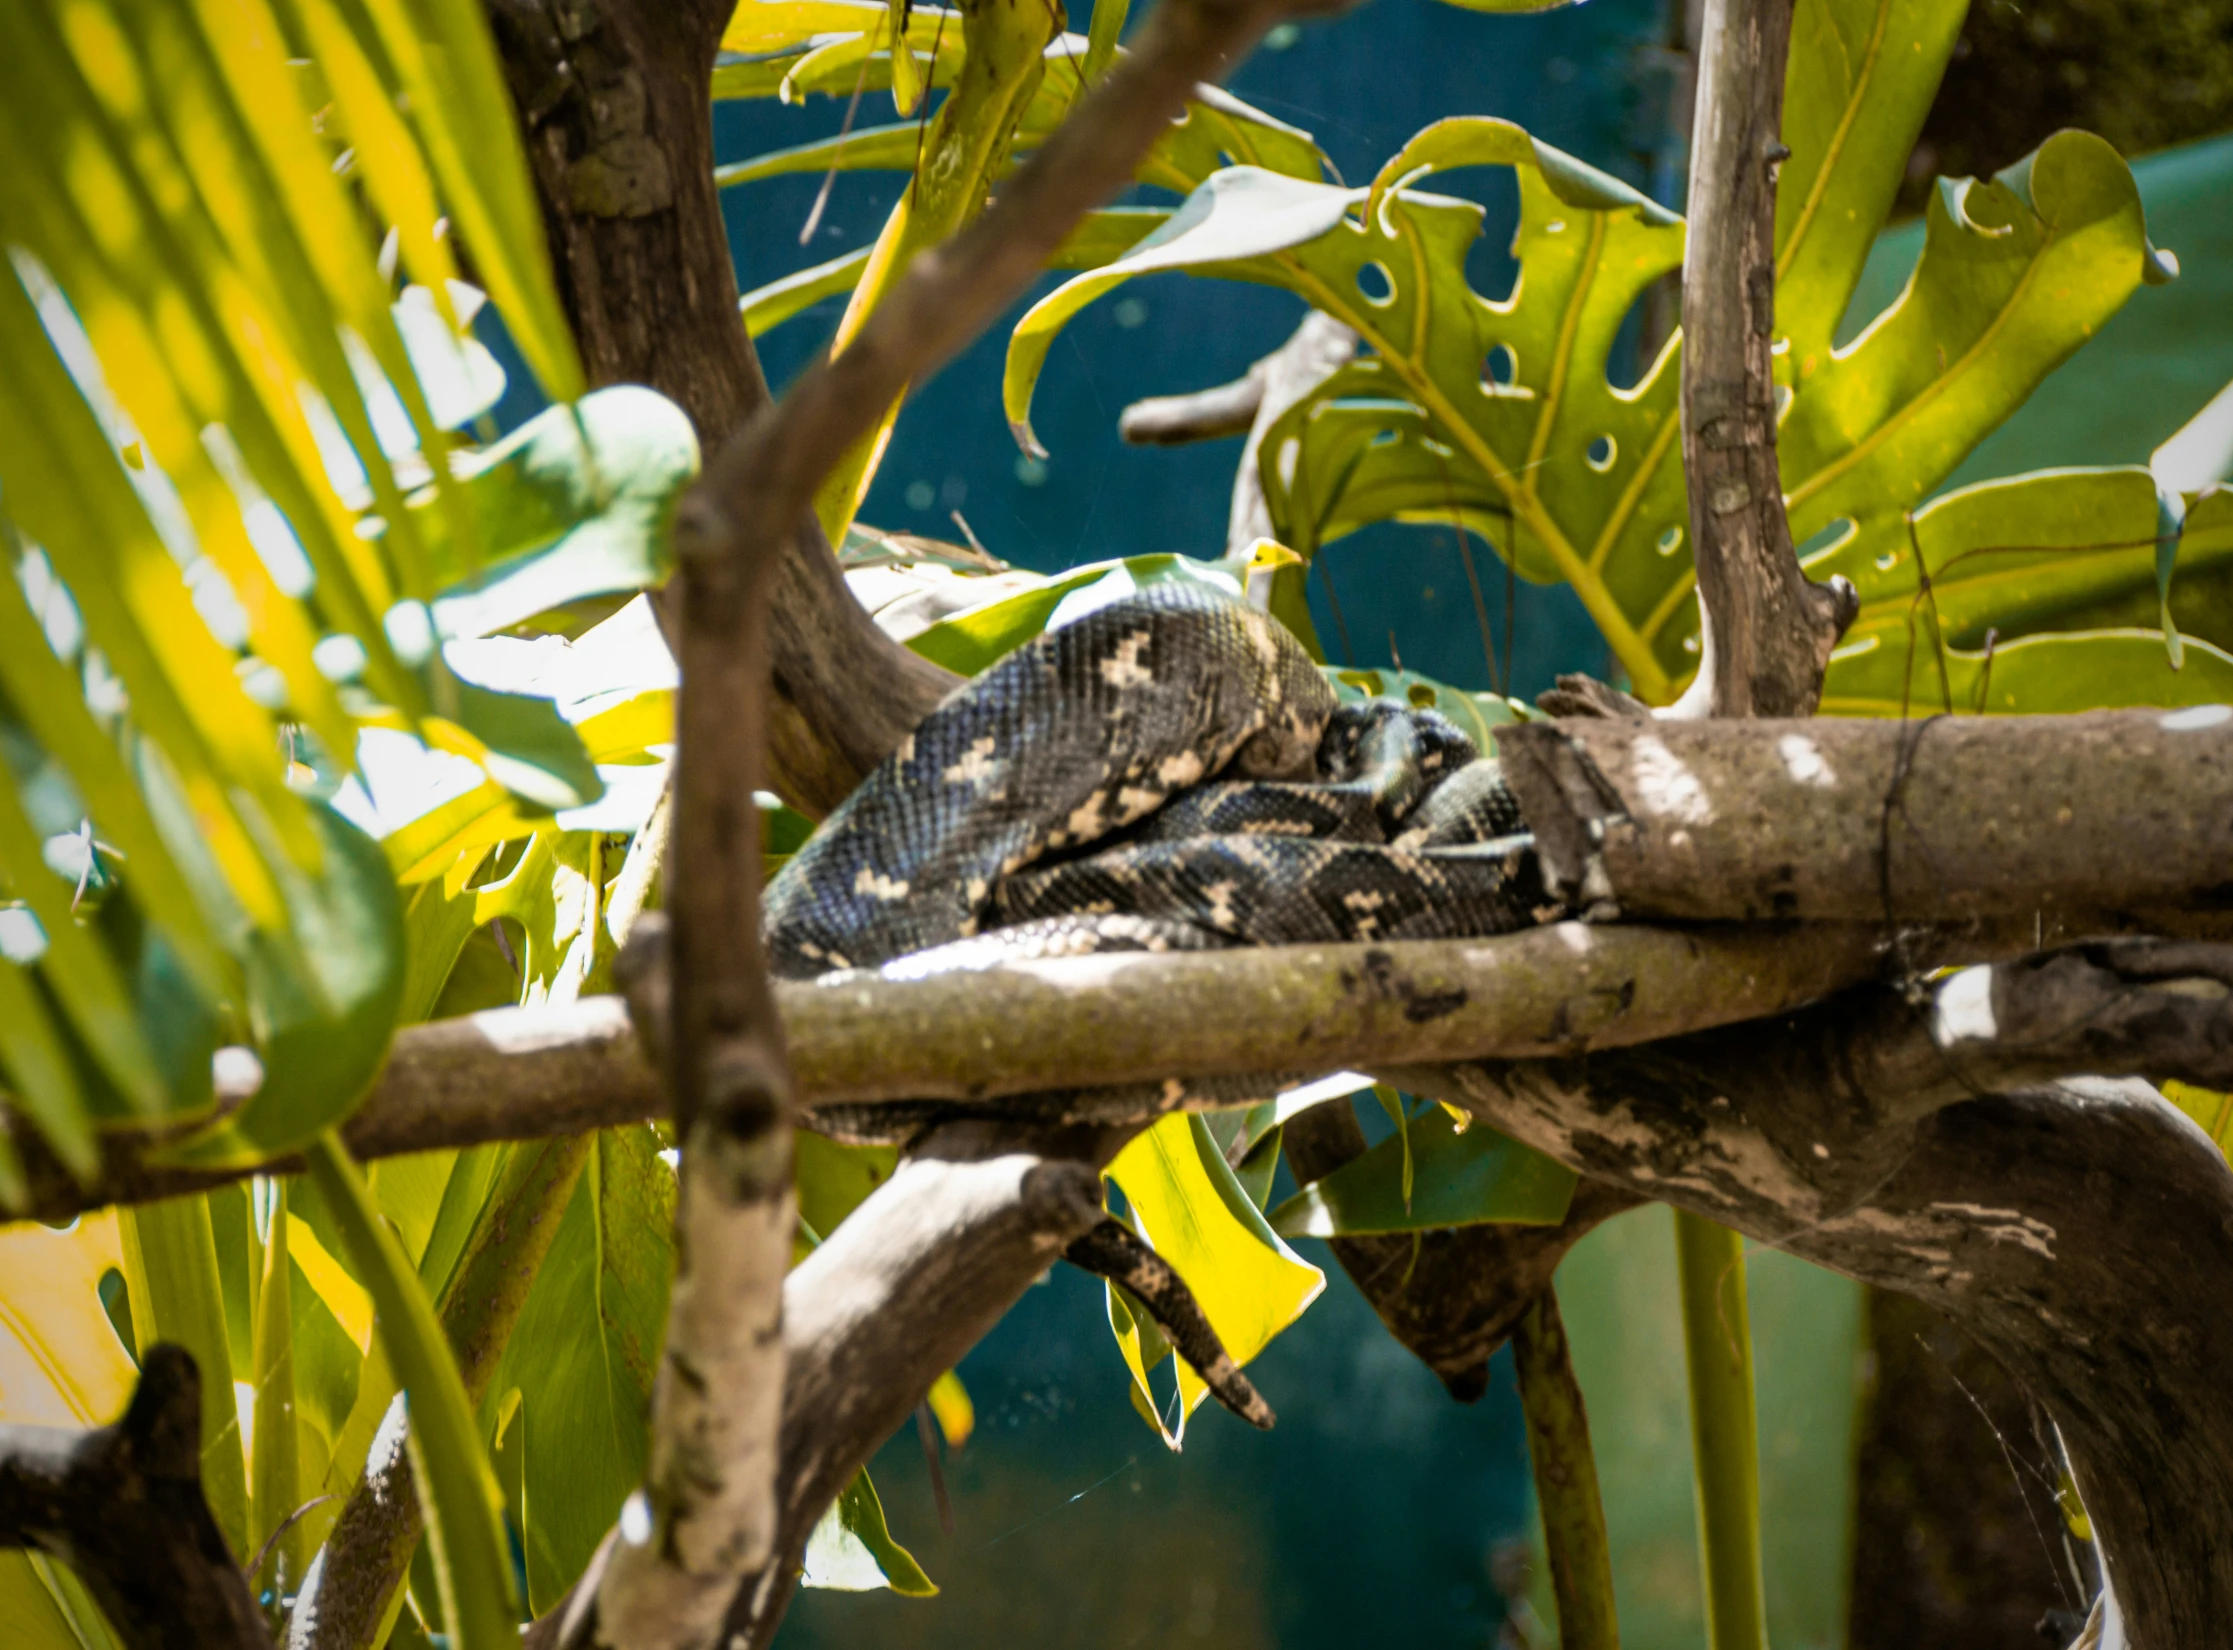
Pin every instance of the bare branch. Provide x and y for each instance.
(1766, 630)
(122, 1505)
(1860, 820)
(1114, 1251)
(900, 1291)
(1249, 406)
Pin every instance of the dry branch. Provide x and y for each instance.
(1882, 821)
(1765, 629)
(1248, 406)
(900, 1291)
(122, 1505)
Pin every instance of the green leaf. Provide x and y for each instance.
(832, 1180)
(574, 503)
(170, 1271)
(1186, 1204)
(1459, 1179)
(583, 1355)
(322, 999)
(970, 640)
(1861, 77)
(1240, 213)
(1498, 417)
(464, 1508)
(851, 1551)
(2060, 671)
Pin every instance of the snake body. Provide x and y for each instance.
(1169, 772)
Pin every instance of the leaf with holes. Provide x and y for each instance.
(1498, 415)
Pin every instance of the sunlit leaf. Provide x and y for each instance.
(1183, 1200)
(852, 1551)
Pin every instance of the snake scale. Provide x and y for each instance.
(1168, 772)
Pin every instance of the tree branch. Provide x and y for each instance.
(1249, 406)
(910, 1281)
(2078, 1230)
(531, 1073)
(614, 100)
(1851, 819)
(122, 1505)
(1765, 629)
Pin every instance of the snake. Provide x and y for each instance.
(1170, 771)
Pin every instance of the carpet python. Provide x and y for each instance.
(1168, 772)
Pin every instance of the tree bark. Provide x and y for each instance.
(1765, 629)
(1886, 822)
(615, 99)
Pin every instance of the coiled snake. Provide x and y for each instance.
(1168, 772)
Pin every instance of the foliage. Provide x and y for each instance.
(1500, 415)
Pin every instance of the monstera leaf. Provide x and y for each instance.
(1498, 415)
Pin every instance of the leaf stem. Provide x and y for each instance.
(1724, 1434)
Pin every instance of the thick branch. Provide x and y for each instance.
(523, 1074)
(613, 95)
(122, 1505)
(910, 1281)
(1766, 630)
(2077, 1230)
(1846, 819)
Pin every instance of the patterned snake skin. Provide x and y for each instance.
(1169, 772)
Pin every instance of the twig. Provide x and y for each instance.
(1114, 1251)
